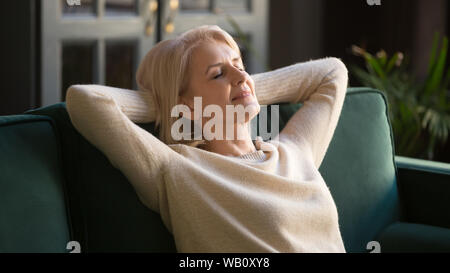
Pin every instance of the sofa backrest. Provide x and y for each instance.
(358, 168)
(33, 216)
(360, 171)
(106, 214)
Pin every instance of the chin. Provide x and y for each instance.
(254, 109)
(252, 106)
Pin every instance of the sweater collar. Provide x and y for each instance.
(259, 155)
(254, 156)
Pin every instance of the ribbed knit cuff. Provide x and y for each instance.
(254, 156)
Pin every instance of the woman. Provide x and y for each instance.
(222, 195)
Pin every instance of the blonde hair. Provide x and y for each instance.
(164, 73)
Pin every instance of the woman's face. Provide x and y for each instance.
(217, 75)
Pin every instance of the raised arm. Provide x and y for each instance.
(321, 86)
(104, 116)
(136, 105)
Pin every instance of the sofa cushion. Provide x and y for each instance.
(359, 168)
(106, 213)
(424, 188)
(33, 214)
(410, 237)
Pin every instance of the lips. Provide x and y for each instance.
(242, 94)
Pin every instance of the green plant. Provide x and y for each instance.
(419, 110)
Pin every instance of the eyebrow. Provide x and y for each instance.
(218, 64)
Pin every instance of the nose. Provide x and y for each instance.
(239, 77)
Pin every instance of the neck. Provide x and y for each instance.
(236, 146)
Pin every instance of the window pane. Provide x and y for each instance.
(233, 5)
(195, 5)
(120, 58)
(78, 7)
(120, 7)
(77, 64)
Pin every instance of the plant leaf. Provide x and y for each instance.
(373, 62)
(437, 72)
(391, 63)
(433, 52)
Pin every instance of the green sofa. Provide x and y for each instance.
(56, 187)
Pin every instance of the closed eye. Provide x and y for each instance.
(221, 73)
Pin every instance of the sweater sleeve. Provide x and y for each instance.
(321, 86)
(105, 116)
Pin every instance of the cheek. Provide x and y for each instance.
(217, 93)
(216, 99)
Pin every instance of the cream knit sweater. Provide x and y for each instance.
(216, 203)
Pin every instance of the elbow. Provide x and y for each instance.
(80, 95)
(74, 95)
(80, 101)
(338, 68)
(76, 102)
(338, 74)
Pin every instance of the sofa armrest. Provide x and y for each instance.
(424, 188)
(408, 237)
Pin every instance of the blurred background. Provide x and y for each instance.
(396, 46)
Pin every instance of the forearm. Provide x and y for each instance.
(136, 105)
(314, 123)
(294, 83)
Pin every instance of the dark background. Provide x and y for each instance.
(333, 26)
